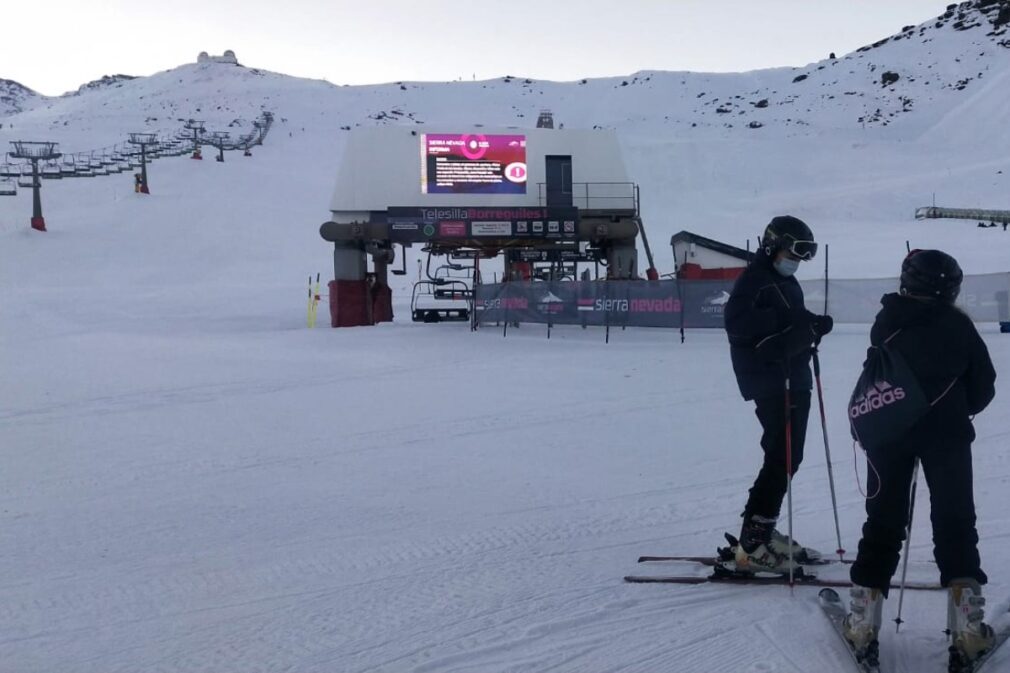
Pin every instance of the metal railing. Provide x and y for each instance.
(936, 212)
(621, 196)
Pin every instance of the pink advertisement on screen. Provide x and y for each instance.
(473, 163)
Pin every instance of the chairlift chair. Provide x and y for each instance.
(8, 170)
(8, 188)
(83, 168)
(26, 179)
(51, 171)
(68, 168)
(427, 296)
(444, 271)
(95, 164)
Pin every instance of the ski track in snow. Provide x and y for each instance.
(384, 571)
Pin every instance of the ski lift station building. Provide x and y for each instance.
(484, 190)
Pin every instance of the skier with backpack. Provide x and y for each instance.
(771, 336)
(927, 373)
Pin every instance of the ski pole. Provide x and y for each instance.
(827, 454)
(789, 473)
(908, 543)
(308, 313)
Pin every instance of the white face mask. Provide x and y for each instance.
(787, 266)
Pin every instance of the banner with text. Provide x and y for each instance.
(617, 303)
(700, 303)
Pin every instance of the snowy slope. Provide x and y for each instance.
(193, 481)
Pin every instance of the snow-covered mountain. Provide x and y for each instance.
(912, 79)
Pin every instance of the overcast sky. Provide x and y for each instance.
(54, 46)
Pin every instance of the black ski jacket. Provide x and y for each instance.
(949, 359)
(769, 330)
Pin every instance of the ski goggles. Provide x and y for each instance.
(805, 250)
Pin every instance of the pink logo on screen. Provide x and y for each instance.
(516, 172)
(474, 147)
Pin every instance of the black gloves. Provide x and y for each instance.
(821, 324)
(805, 331)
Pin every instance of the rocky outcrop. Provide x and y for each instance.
(104, 82)
(14, 97)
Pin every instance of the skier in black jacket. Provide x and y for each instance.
(951, 364)
(771, 334)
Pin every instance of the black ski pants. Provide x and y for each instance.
(952, 511)
(769, 488)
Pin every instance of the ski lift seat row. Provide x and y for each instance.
(8, 188)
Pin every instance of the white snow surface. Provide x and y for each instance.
(194, 481)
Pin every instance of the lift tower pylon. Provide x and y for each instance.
(143, 139)
(196, 126)
(34, 152)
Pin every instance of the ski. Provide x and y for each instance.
(834, 610)
(722, 558)
(772, 580)
(729, 575)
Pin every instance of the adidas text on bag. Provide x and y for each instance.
(887, 400)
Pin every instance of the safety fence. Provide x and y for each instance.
(700, 303)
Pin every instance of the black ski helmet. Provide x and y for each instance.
(931, 273)
(786, 232)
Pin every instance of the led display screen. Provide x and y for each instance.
(473, 163)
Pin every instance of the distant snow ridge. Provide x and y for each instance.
(966, 43)
(106, 81)
(954, 66)
(14, 96)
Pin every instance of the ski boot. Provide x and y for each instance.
(802, 555)
(862, 625)
(755, 551)
(970, 636)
